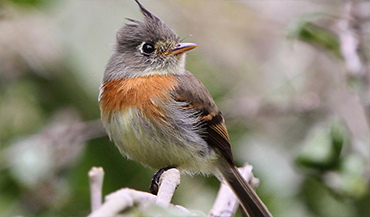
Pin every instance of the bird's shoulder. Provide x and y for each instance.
(192, 91)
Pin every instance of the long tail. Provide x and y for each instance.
(248, 198)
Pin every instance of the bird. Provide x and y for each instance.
(159, 114)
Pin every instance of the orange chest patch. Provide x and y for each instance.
(135, 92)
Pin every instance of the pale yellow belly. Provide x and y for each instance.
(142, 140)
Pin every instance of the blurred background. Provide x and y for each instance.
(291, 77)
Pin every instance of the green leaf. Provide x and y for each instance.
(316, 36)
(323, 145)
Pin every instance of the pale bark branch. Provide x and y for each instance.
(353, 50)
(226, 203)
(170, 180)
(96, 176)
(125, 198)
(122, 199)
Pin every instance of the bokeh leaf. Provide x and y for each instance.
(319, 37)
(323, 145)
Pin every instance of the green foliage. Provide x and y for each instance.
(316, 36)
(323, 145)
(326, 153)
(321, 202)
(28, 2)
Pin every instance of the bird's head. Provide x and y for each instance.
(145, 48)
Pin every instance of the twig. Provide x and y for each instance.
(170, 180)
(354, 52)
(121, 200)
(226, 202)
(252, 107)
(96, 176)
(125, 198)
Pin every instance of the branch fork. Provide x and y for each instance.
(226, 203)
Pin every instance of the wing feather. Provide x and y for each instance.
(192, 91)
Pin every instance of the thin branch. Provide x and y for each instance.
(226, 203)
(121, 200)
(125, 198)
(96, 176)
(252, 107)
(170, 180)
(353, 49)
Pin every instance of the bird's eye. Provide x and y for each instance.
(148, 49)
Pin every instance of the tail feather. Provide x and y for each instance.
(248, 198)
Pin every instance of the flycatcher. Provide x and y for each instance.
(159, 114)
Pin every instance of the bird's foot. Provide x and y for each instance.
(154, 183)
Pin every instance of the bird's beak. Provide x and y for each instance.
(181, 48)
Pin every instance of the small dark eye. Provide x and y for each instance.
(148, 48)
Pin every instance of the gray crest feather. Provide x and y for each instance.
(152, 29)
(147, 14)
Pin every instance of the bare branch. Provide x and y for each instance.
(96, 176)
(121, 200)
(168, 183)
(226, 202)
(125, 198)
(353, 49)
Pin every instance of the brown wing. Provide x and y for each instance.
(218, 137)
(192, 91)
